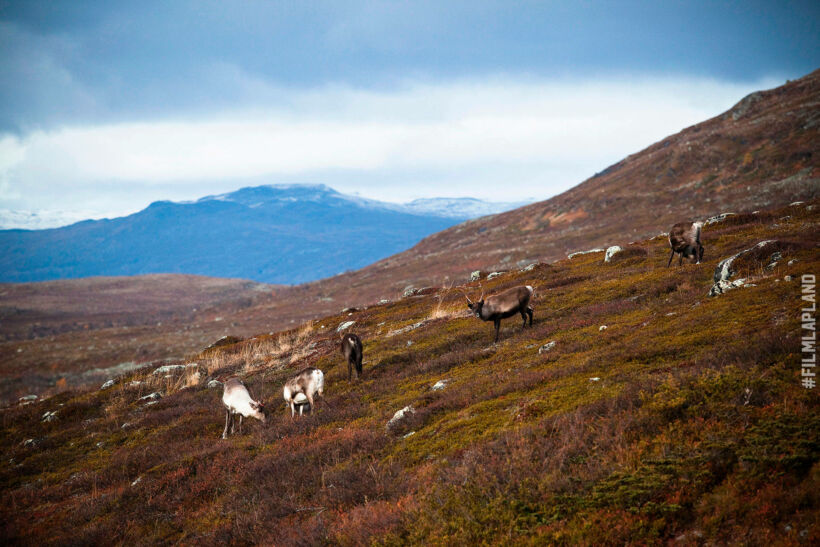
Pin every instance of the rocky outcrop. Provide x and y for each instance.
(612, 251)
(725, 270)
(399, 418)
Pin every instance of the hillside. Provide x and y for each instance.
(60, 334)
(761, 153)
(683, 421)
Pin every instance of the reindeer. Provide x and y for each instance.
(352, 350)
(684, 238)
(304, 385)
(238, 400)
(503, 305)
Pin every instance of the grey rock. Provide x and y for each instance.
(441, 384)
(724, 271)
(345, 325)
(169, 369)
(475, 276)
(408, 328)
(151, 397)
(546, 347)
(722, 286)
(108, 384)
(612, 251)
(578, 253)
(213, 384)
(717, 218)
(399, 417)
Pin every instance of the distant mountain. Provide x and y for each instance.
(461, 208)
(457, 208)
(276, 234)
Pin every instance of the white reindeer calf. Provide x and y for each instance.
(305, 385)
(238, 400)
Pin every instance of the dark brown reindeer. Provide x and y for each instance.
(500, 306)
(684, 238)
(352, 350)
(302, 388)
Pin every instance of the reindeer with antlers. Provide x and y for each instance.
(500, 306)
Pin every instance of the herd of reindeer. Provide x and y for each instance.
(301, 390)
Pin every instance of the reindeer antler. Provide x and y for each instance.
(462, 291)
(480, 298)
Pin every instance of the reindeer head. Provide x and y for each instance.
(475, 307)
(259, 411)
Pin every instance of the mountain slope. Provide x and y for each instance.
(763, 152)
(287, 234)
(684, 421)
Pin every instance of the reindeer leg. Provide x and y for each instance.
(680, 260)
(310, 400)
(524, 317)
(670, 258)
(292, 409)
(240, 423)
(497, 327)
(227, 420)
(529, 312)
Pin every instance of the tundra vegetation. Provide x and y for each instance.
(683, 421)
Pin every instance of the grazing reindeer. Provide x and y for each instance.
(684, 238)
(352, 350)
(304, 385)
(238, 400)
(503, 305)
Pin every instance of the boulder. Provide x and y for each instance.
(400, 417)
(717, 218)
(725, 270)
(578, 253)
(441, 384)
(546, 347)
(169, 369)
(345, 325)
(151, 397)
(612, 251)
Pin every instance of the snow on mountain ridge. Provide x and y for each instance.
(256, 196)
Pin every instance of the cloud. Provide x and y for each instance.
(529, 136)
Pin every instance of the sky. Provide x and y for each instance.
(106, 106)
